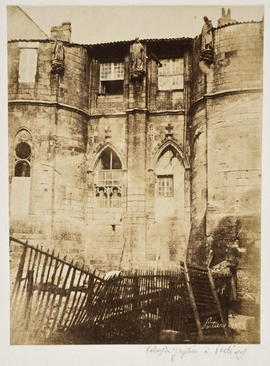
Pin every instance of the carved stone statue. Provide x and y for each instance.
(206, 54)
(207, 38)
(58, 56)
(138, 57)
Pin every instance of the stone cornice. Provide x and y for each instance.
(50, 104)
(97, 115)
(137, 110)
(107, 115)
(165, 112)
(223, 93)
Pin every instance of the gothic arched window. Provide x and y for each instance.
(23, 153)
(22, 169)
(21, 181)
(109, 175)
(109, 160)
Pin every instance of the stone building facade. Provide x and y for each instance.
(128, 154)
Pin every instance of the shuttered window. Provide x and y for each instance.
(170, 74)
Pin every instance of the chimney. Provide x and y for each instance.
(61, 32)
(226, 18)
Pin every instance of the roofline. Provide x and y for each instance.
(128, 42)
(114, 43)
(236, 23)
(145, 40)
(68, 44)
(32, 20)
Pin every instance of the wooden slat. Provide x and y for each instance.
(193, 304)
(21, 308)
(49, 327)
(213, 288)
(58, 313)
(73, 300)
(18, 276)
(43, 320)
(42, 302)
(77, 305)
(61, 321)
(86, 301)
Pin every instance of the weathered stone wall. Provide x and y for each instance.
(234, 129)
(67, 142)
(39, 121)
(59, 135)
(104, 226)
(198, 78)
(168, 217)
(71, 123)
(226, 136)
(74, 86)
(238, 57)
(169, 100)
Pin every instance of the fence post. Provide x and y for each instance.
(193, 303)
(218, 305)
(29, 294)
(136, 306)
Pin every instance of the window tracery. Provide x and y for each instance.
(109, 178)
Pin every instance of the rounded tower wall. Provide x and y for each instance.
(238, 57)
(53, 107)
(226, 134)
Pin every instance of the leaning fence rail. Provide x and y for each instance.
(48, 293)
(51, 295)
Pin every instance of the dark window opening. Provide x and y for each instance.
(109, 160)
(111, 87)
(22, 169)
(108, 200)
(230, 53)
(23, 150)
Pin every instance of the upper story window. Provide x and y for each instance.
(170, 74)
(109, 160)
(111, 78)
(28, 62)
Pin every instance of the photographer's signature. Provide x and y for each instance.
(210, 323)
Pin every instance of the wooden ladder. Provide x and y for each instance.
(193, 303)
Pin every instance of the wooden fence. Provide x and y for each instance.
(50, 295)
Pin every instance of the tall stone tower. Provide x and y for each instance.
(226, 116)
(48, 103)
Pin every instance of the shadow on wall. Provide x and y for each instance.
(227, 231)
(196, 252)
(230, 230)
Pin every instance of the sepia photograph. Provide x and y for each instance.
(134, 171)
